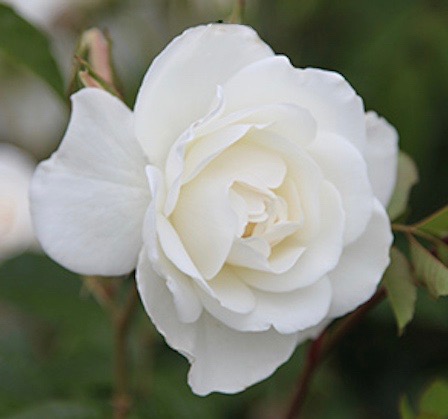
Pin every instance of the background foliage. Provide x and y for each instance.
(55, 340)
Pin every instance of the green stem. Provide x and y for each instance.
(322, 346)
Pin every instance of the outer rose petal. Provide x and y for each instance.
(362, 265)
(222, 359)
(326, 95)
(89, 199)
(350, 179)
(381, 156)
(181, 83)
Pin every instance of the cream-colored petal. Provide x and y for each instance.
(287, 312)
(381, 156)
(329, 98)
(321, 254)
(222, 359)
(362, 264)
(344, 166)
(180, 85)
(88, 200)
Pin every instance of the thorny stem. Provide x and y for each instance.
(122, 400)
(322, 346)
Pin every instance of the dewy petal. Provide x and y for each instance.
(222, 359)
(88, 200)
(287, 312)
(381, 156)
(329, 98)
(362, 265)
(180, 84)
(350, 179)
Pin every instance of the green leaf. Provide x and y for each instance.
(436, 224)
(57, 409)
(429, 269)
(434, 401)
(405, 409)
(407, 177)
(25, 45)
(401, 291)
(442, 252)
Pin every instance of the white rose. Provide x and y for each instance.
(248, 194)
(16, 171)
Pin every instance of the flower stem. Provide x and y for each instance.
(122, 400)
(237, 15)
(322, 346)
(412, 230)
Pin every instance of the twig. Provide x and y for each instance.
(122, 400)
(322, 346)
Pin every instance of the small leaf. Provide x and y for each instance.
(436, 224)
(405, 409)
(25, 45)
(401, 291)
(442, 252)
(434, 400)
(407, 177)
(429, 269)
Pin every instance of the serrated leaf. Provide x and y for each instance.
(405, 409)
(434, 400)
(407, 177)
(25, 45)
(436, 224)
(429, 269)
(401, 291)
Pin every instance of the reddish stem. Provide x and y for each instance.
(322, 346)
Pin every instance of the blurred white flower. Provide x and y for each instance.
(248, 194)
(31, 115)
(46, 13)
(16, 170)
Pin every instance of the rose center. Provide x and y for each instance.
(265, 211)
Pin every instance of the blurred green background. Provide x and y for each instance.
(55, 340)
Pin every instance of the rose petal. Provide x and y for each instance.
(362, 264)
(222, 359)
(287, 120)
(187, 303)
(204, 217)
(287, 312)
(321, 254)
(345, 168)
(93, 226)
(180, 84)
(329, 98)
(231, 292)
(381, 156)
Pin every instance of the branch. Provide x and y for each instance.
(322, 346)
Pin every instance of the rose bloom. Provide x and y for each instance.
(248, 195)
(16, 171)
